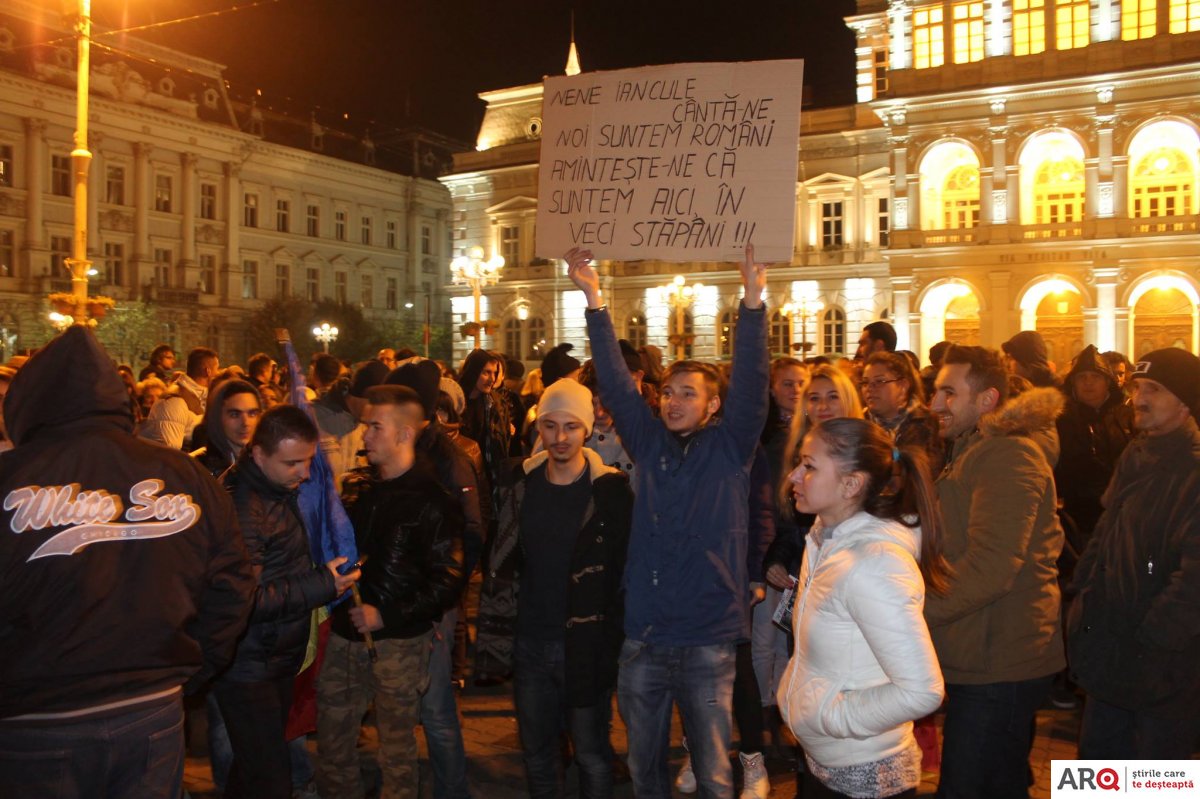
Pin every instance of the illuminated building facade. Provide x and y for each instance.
(1010, 164)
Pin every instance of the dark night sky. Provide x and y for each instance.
(375, 58)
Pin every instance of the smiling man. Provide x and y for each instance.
(1135, 622)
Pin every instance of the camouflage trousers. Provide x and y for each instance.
(346, 687)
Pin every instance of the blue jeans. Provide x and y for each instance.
(1114, 733)
(986, 738)
(439, 717)
(129, 754)
(700, 680)
(540, 694)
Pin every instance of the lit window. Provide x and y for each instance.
(929, 48)
(1139, 19)
(535, 328)
(250, 210)
(1071, 20)
(726, 333)
(883, 222)
(6, 165)
(163, 190)
(208, 274)
(960, 198)
(510, 244)
(968, 31)
(636, 331)
(1029, 27)
(779, 336)
(1185, 16)
(831, 224)
(114, 185)
(249, 280)
(512, 336)
(949, 187)
(833, 330)
(1163, 167)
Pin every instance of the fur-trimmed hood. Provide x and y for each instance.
(1031, 414)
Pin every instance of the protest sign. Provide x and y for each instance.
(684, 162)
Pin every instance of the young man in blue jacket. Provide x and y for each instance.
(686, 603)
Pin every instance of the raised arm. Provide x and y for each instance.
(746, 402)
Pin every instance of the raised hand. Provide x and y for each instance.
(754, 279)
(583, 275)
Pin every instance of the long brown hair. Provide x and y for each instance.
(898, 486)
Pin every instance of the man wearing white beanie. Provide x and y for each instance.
(563, 525)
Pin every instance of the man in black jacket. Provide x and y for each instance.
(134, 584)
(229, 421)
(255, 694)
(409, 534)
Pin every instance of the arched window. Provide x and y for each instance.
(1052, 188)
(512, 337)
(726, 330)
(779, 337)
(1163, 168)
(689, 332)
(635, 330)
(833, 331)
(536, 327)
(949, 187)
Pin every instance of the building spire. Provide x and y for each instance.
(573, 54)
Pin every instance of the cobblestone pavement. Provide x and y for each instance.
(495, 770)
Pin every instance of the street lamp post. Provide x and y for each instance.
(472, 270)
(325, 334)
(679, 296)
(81, 160)
(805, 308)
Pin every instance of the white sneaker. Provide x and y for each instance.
(755, 784)
(685, 781)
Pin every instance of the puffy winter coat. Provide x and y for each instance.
(864, 666)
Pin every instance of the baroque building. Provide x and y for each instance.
(1009, 165)
(203, 206)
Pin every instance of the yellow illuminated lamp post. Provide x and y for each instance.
(805, 308)
(472, 270)
(679, 296)
(81, 160)
(325, 334)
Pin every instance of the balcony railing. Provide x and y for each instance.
(1054, 230)
(1162, 224)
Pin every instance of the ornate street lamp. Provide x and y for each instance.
(806, 307)
(679, 296)
(472, 270)
(325, 334)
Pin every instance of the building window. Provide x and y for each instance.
(510, 244)
(779, 335)
(883, 221)
(391, 235)
(312, 284)
(833, 330)
(1163, 170)
(1029, 27)
(8, 253)
(163, 186)
(250, 210)
(208, 273)
(831, 224)
(313, 220)
(114, 263)
(636, 331)
(949, 187)
(339, 225)
(929, 49)
(283, 281)
(60, 175)
(879, 71)
(968, 31)
(60, 251)
(1139, 19)
(1058, 190)
(208, 200)
(426, 240)
(536, 328)
(392, 294)
(366, 230)
(283, 216)
(512, 337)
(341, 284)
(1184, 16)
(249, 280)
(960, 198)
(6, 165)
(366, 287)
(162, 267)
(114, 185)
(1071, 24)
(726, 332)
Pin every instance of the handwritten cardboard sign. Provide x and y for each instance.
(684, 162)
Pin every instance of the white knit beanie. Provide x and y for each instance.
(570, 396)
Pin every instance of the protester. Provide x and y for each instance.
(876, 337)
(686, 581)
(895, 401)
(486, 420)
(229, 421)
(174, 417)
(997, 629)
(100, 627)
(262, 372)
(864, 667)
(1026, 355)
(1134, 630)
(1121, 368)
(409, 534)
(7, 372)
(161, 364)
(255, 693)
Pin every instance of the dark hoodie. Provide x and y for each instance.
(111, 595)
(485, 420)
(217, 455)
(1092, 440)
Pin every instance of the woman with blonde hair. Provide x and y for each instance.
(827, 394)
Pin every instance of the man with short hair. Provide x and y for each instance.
(687, 598)
(174, 417)
(409, 534)
(876, 337)
(229, 423)
(387, 357)
(1135, 621)
(262, 372)
(161, 363)
(255, 693)
(996, 630)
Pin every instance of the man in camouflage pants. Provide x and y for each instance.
(409, 532)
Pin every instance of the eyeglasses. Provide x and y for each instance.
(865, 384)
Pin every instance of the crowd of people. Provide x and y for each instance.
(842, 547)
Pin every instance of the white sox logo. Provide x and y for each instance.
(93, 515)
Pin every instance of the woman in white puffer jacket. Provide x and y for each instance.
(863, 667)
